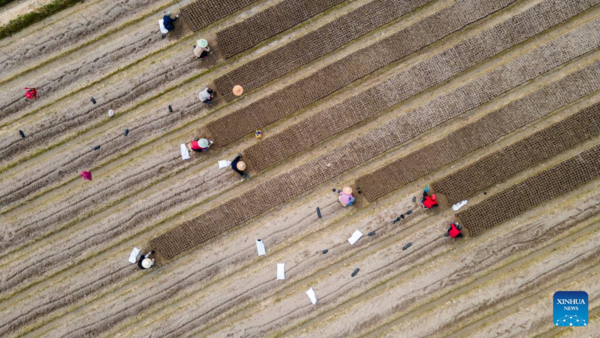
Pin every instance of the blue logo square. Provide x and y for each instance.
(571, 308)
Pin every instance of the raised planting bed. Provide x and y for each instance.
(271, 21)
(512, 202)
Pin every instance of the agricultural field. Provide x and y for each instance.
(493, 102)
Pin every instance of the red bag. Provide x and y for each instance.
(31, 93)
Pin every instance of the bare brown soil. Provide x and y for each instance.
(432, 92)
(263, 25)
(523, 154)
(475, 135)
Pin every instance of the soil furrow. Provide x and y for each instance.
(529, 236)
(479, 133)
(70, 30)
(337, 118)
(358, 151)
(498, 288)
(525, 153)
(347, 70)
(268, 23)
(394, 299)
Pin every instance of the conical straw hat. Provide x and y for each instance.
(347, 190)
(241, 165)
(203, 143)
(147, 263)
(238, 90)
(202, 43)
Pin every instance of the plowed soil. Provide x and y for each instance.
(494, 102)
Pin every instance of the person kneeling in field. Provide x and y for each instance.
(145, 261)
(454, 231)
(206, 95)
(429, 202)
(239, 167)
(199, 145)
(168, 21)
(346, 197)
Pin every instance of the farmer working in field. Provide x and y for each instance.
(199, 145)
(239, 166)
(30, 93)
(429, 202)
(206, 95)
(346, 197)
(454, 231)
(168, 21)
(145, 261)
(201, 49)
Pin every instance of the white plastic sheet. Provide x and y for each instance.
(280, 270)
(312, 295)
(355, 237)
(185, 153)
(459, 205)
(260, 247)
(224, 164)
(133, 255)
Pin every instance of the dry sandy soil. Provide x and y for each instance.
(428, 76)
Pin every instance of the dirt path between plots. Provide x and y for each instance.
(11, 11)
(213, 263)
(538, 310)
(73, 71)
(68, 29)
(85, 238)
(289, 307)
(491, 290)
(518, 59)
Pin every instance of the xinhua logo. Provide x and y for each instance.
(570, 308)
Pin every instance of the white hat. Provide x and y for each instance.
(203, 143)
(347, 190)
(202, 43)
(147, 263)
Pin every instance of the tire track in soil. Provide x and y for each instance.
(218, 263)
(86, 239)
(337, 285)
(61, 81)
(64, 33)
(503, 285)
(401, 292)
(48, 129)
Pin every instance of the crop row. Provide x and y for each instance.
(314, 45)
(346, 70)
(538, 147)
(479, 133)
(369, 102)
(270, 22)
(560, 179)
(202, 13)
(298, 180)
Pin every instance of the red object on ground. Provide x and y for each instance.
(87, 175)
(31, 93)
(430, 202)
(454, 232)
